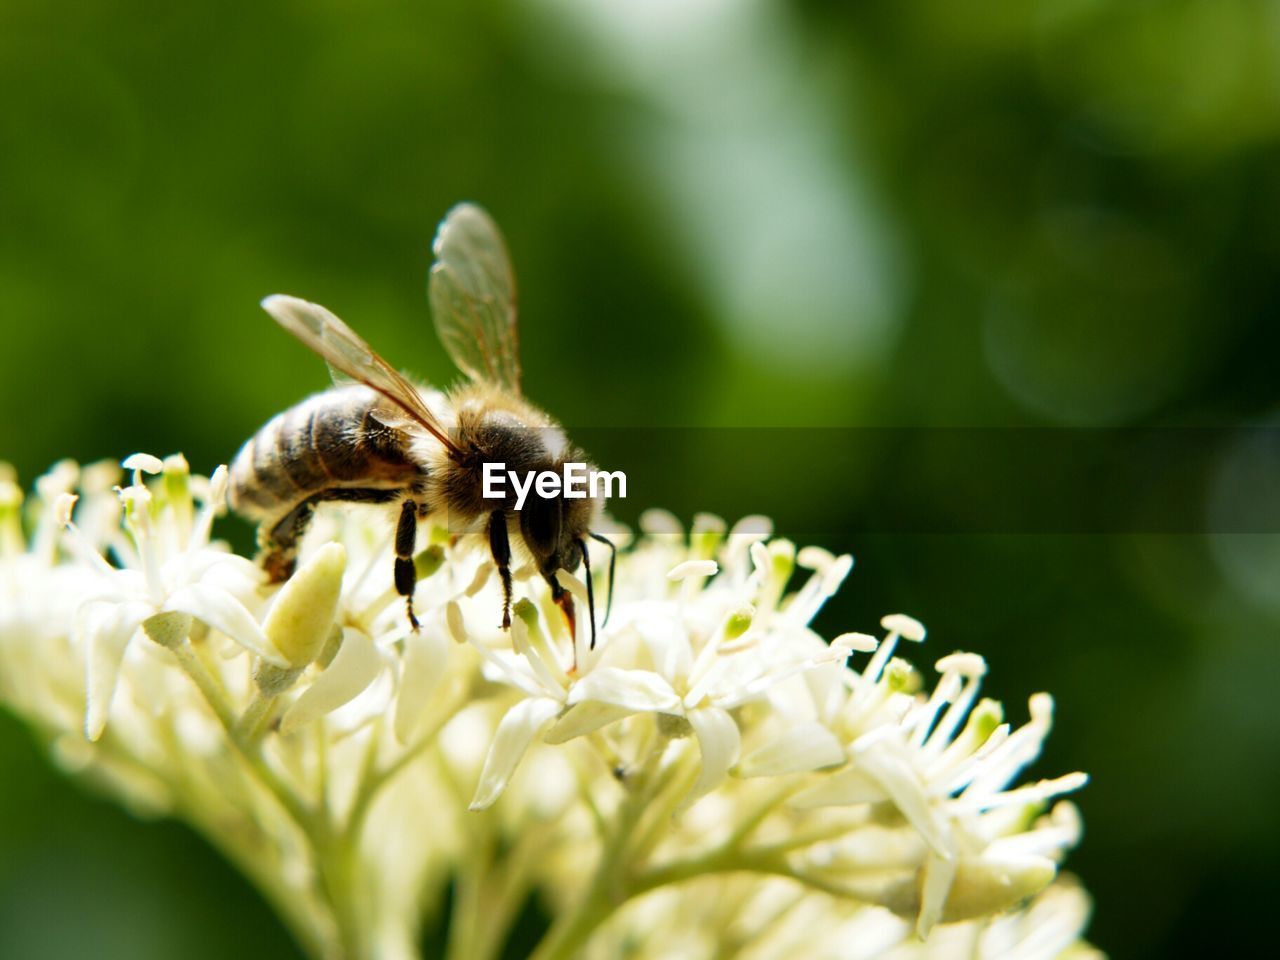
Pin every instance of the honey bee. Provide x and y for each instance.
(383, 439)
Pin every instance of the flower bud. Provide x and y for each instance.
(990, 886)
(299, 622)
(979, 887)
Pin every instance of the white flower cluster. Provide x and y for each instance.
(712, 780)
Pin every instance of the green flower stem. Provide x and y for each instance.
(338, 863)
(335, 858)
(375, 779)
(470, 904)
(669, 791)
(608, 889)
(322, 763)
(241, 847)
(253, 723)
(490, 888)
(205, 654)
(369, 760)
(490, 892)
(510, 886)
(805, 838)
(570, 933)
(724, 860)
(632, 839)
(469, 910)
(718, 860)
(307, 820)
(772, 801)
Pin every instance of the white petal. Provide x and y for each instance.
(719, 741)
(353, 669)
(886, 763)
(425, 655)
(848, 787)
(523, 722)
(668, 646)
(109, 629)
(63, 505)
(636, 690)
(223, 612)
(587, 717)
(502, 666)
(938, 877)
(807, 746)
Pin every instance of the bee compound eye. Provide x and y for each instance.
(540, 525)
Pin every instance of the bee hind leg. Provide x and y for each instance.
(279, 546)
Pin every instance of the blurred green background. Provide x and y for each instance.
(723, 214)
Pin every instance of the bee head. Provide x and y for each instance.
(553, 529)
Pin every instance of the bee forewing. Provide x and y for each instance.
(347, 353)
(323, 332)
(473, 297)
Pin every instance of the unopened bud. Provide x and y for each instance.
(980, 888)
(301, 619)
(988, 886)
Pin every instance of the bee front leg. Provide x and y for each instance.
(500, 547)
(406, 575)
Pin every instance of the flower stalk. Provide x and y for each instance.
(710, 756)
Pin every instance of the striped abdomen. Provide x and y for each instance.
(329, 442)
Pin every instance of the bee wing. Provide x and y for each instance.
(473, 297)
(347, 353)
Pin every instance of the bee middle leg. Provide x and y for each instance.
(406, 574)
(500, 547)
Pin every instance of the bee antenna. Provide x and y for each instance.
(613, 560)
(591, 594)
